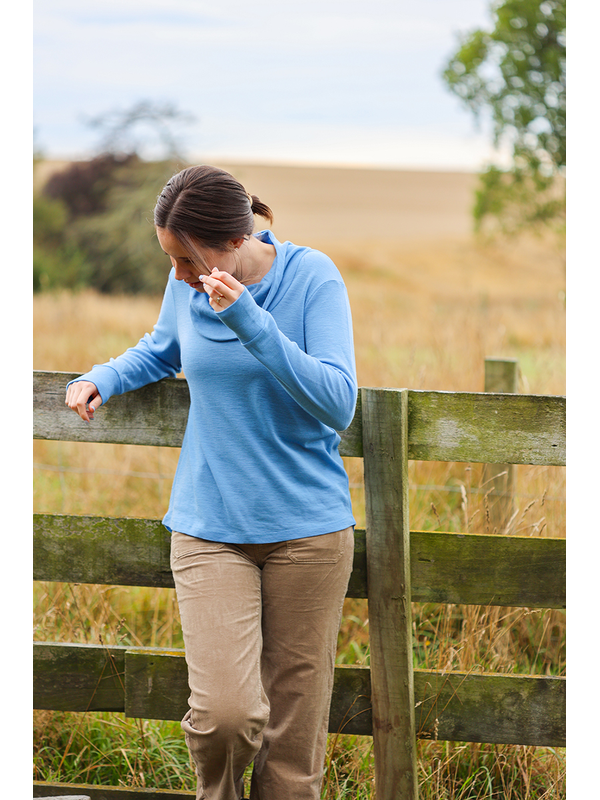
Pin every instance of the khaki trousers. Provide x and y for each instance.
(260, 624)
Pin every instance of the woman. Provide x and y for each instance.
(260, 515)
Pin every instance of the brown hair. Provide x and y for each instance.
(208, 205)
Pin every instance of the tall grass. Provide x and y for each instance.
(425, 318)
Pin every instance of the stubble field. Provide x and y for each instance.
(430, 301)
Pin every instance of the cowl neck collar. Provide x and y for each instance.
(206, 321)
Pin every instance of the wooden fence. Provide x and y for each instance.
(393, 566)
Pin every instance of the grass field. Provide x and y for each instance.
(429, 303)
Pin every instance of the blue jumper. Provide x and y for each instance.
(271, 379)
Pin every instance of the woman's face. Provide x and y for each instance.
(188, 267)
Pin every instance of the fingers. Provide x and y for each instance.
(83, 398)
(222, 289)
(226, 279)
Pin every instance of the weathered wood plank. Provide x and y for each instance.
(78, 677)
(443, 426)
(492, 428)
(124, 551)
(501, 375)
(41, 789)
(357, 585)
(476, 569)
(350, 710)
(121, 551)
(385, 453)
(445, 567)
(455, 706)
(154, 415)
(156, 685)
(351, 439)
(151, 683)
(505, 709)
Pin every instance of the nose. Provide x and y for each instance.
(182, 270)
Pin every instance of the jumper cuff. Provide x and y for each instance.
(244, 317)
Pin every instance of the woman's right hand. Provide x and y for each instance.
(83, 398)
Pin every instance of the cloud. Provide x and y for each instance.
(320, 62)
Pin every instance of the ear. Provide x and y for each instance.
(237, 243)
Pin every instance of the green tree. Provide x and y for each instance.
(57, 261)
(516, 74)
(119, 241)
(93, 220)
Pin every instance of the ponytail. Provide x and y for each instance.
(260, 209)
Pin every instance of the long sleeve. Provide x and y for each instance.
(157, 355)
(322, 378)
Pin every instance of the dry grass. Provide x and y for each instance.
(426, 313)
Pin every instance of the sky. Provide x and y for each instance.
(316, 81)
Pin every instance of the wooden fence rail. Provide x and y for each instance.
(443, 426)
(393, 567)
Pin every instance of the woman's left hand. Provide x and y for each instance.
(222, 289)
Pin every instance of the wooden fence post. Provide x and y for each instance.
(502, 376)
(385, 453)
